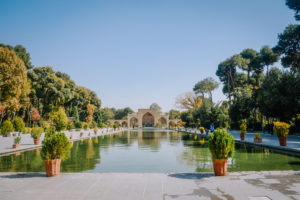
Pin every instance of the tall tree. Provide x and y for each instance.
(294, 5)
(206, 85)
(254, 62)
(14, 87)
(227, 73)
(289, 47)
(188, 101)
(155, 106)
(268, 57)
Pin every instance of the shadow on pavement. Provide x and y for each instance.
(23, 175)
(191, 175)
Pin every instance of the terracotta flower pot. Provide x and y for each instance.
(15, 146)
(258, 140)
(36, 141)
(282, 140)
(220, 166)
(242, 136)
(52, 167)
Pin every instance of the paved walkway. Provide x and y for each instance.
(293, 142)
(268, 140)
(111, 186)
(27, 141)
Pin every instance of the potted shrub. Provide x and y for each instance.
(243, 131)
(281, 129)
(89, 133)
(36, 133)
(221, 146)
(95, 130)
(71, 136)
(202, 130)
(55, 148)
(257, 138)
(17, 141)
(6, 128)
(81, 134)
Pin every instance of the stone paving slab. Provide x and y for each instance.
(143, 186)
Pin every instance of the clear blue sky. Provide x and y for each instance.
(134, 53)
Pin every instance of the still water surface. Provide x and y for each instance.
(149, 150)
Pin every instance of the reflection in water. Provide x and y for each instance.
(149, 151)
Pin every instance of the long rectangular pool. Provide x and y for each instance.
(149, 150)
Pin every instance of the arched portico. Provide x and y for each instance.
(148, 118)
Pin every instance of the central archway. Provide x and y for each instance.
(133, 122)
(148, 120)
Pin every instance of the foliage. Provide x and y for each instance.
(188, 101)
(221, 144)
(78, 125)
(288, 46)
(6, 127)
(26, 130)
(90, 110)
(85, 125)
(294, 5)
(19, 125)
(70, 125)
(206, 85)
(45, 124)
(155, 106)
(17, 140)
(122, 113)
(281, 128)
(35, 116)
(95, 130)
(14, 87)
(243, 129)
(59, 118)
(115, 126)
(55, 146)
(36, 132)
(81, 134)
(174, 114)
(257, 135)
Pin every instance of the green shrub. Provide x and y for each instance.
(59, 118)
(78, 125)
(85, 125)
(257, 135)
(115, 126)
(95, 130)
(36, 132)
(70, 125)
(17, 140)
(243, 129)
(19, 124)
(6, 127)
(26, 130)
(81, 134)
(55, 146)
(46, 125)
(221, 144)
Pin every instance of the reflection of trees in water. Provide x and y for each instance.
(196, 155)
(25, 162)
(175, 137)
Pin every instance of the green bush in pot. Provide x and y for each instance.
(221, 145)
